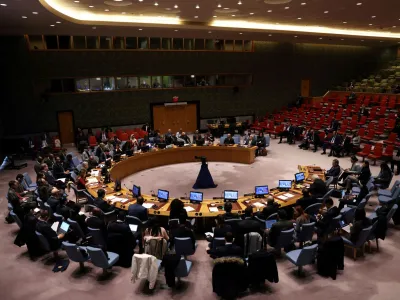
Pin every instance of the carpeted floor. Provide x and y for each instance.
(374, 276)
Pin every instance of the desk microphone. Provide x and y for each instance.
(152, 193)
(128, 189)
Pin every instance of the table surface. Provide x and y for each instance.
(124, 198)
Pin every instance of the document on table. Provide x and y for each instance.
(283, 197)
(95, 173)
(289, 195)
(148, 205)
(110, 197)
(189, 208)
(55, 226)
(92, 180)
(259, 204)
(213, 209)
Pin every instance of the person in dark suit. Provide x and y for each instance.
(336, 140)
(246, 226)
(185, 137)
(101, 203)
(184, 231)
(305, 144)
(43, 227)
(138, 210)
(197, 137)
(48, 176)
(306, 200)
(335, 170)
(282, 224)
(334, 125)
(324, 219)
(54, 199)
(96, 221)
(352, 199)
(79, 218)
(287, 132)
(229, 249)
(271, 208)
(318, 187)
(229, 140)
(15, 199)
(38, 164)
(228, 212)
(222, 228)
(120, 240)
(58, 169)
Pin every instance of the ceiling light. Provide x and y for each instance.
(118, 0)
(94, 27)
(251, 13)
(327, 11)
(76, 1)
(52, 25)
(156, 4)
(359, 3)
(226, 7)
(240, 33)
(98, 78)
(269, 34)
(295, 36)
(240, 2)
(175, 6)
(140, 29)
(209, 32)
(176, 29)
(362, 40)
(369, 24)
(197, 6)
(3, 4)
(91, 6)
(219, 5)
(287, 7)
(24, 17)
(58, 22)
(345, 22)
(196, 17)
(214, 16)
(298, 18)
(233, 15)
(320, 38)
(140, 0)
(303, 3)
(106, 9)
(373, 17)
(342, 39)
(35, 12)
(270, 10)
(123, 13)
(394, 26)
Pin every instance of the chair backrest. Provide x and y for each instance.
(327, 195)
(135, 221)
(313, 209)
(79, 167)
(362, 238)
(307, 255)
(74, 176)
(97, 257)
(329, 181)
(76, 161)
(391, 212)
(57, 217)
(43, 241)
(27, 178)
(362, 204)
(217, 242)
(90, 198)
(306, 232)
(182, 269)
(97, 237)
(285, 238)
(261, 221)
(348, 215)
(273, 216)
(76, 228)
(184, 246)
(394, 187)
(73, 252)
(16, 219)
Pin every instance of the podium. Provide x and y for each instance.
(204, 179)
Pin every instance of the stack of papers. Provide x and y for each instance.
(189, 208)
(110, 197)
(148, 205)
(92, 180)
(259, 204)
(288, 195)
(95, 173)
(213, 209)
(283, 197)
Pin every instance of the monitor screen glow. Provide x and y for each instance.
(261, 190)
(285, 184)
(196, 196)
(136, 191)
(231, 195)
(163, 195)
(299, 177)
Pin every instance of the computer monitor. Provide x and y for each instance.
(196, 196)
(163, 195)
(230, 195)
(299, 177)
(136, 191)
(261, 190)
(285, 184)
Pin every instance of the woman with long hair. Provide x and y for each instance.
(81, 180)
(177, 208)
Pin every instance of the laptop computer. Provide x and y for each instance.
(268, 223)
(63, 228)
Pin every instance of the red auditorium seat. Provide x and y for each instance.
(376, 153)
(370, 136)
(372, 114)
(363, 120)
(380, 130)
(92, 141)
(342, 130)
(381, 112)
(278, 129)
(388, 153)
(361, 132)
(391, 139)
(365, 151)
(123, 136)
(391, 124)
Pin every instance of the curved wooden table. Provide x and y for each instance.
(153, 159)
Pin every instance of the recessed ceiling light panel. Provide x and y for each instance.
(118, 4)
(277, 1)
